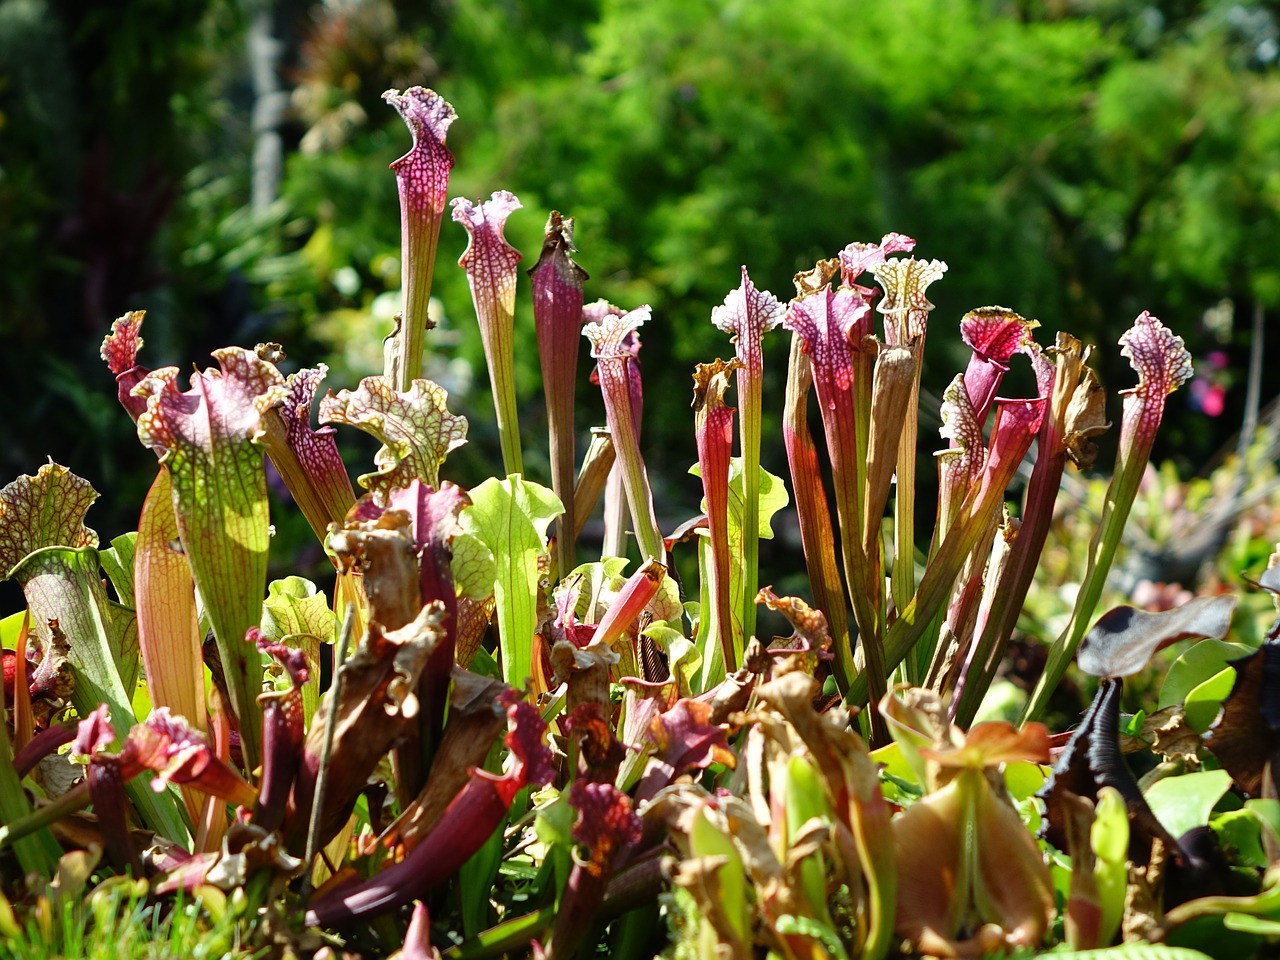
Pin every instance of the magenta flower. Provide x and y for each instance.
(164, 744)
(994, 334)
(605, 827)
(829, 324)
(308, 460)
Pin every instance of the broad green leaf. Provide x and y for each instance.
(1205, 700)
(208, 438)
(1186, 801)
(1267, 813)
(10, 628)
(804, 799)
(1196, 665)
(118, 564)
(1240, 834)
(39, 852)
(1023, 778)
(297, 614)
(46, 547)
(509, 519)
(683, 658)
(474, 569)
(1109, 837)
(892, 762)
(416, 429)
(707, 841)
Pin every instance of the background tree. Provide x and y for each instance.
(1074, 161)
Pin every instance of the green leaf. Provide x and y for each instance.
(1246, 923)
(1196, 665)
(297, 614)
(474, 569)
(46, 547)
(1186, 801)
(416, 429)
(706, 841)
(1240, 835)
(789, 925)
(508, 519)
(773, 497)
(1023, 778)
(1109, 837)
(118, 564)
(1205, 701)
(39, 852)
(10, 628)
(683, 658)
(1267, 813)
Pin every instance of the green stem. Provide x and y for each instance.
(1115, 512)
(74, 799)
(505, 937)
(750, 396)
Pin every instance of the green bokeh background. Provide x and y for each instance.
(1076, 160)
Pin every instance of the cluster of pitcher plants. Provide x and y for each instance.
(476, 740)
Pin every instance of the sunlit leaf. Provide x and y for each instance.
(416, 429)
(509, 519)
(308, 460)
(207, 438)
(46, 547)
(490, 262)
(422, 176)
(297, 614)
(1183, 802)
(168, 625)
(1198, 663)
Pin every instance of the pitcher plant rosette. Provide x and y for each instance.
(483, 736)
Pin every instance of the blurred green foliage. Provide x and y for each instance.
(1077, 160)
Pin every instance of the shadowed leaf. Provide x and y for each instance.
(1125, 638)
